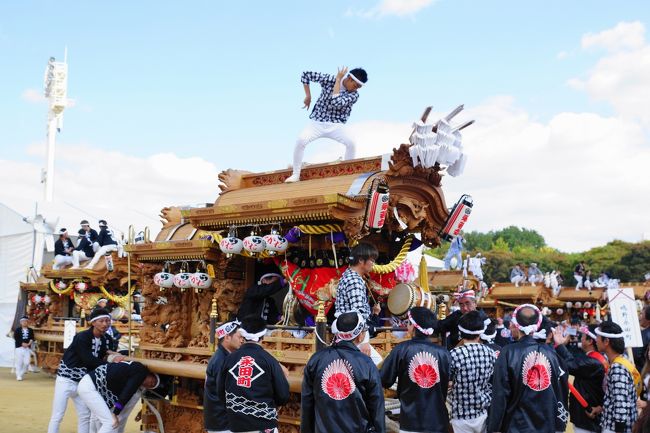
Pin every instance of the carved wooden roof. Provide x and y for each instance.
(571, 294)
(98, 275)
(333, 192)
(195, 249)
(40, 284)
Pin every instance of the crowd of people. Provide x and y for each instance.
(91, 246)
(481, 375)
(520, 274)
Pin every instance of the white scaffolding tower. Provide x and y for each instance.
(56, 91)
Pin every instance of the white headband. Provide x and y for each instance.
(585, 330)
(540, 335)
(157, 381)
(101, 316)
(467, 331)
(425, 331)
(349, 335)
(607, 335)
(252, 337)
(227, 328)
(527, 330)
(270, 274)
(359, 82)
(489, 337)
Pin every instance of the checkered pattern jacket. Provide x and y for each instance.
(351, 294)
(329, 108)
(472, 367)
(619, 406)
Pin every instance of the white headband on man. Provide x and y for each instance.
(252, 337)
(527, 330)
(585, 330)
(607, 335)
(467, 331)
(489, 337)
(358, 81)
(469, 294)
(227, 328)
(349, 335)
(268, 275)
(101, 316)
(425, 331)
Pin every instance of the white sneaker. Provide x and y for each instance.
(293, 178)
(19, 378)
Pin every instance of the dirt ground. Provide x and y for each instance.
(25, 407)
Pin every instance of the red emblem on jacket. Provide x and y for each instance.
(423, 370)
(536, 371)
(338, 380)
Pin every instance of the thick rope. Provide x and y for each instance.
(394, 264)
(60, 292)
(319, 230)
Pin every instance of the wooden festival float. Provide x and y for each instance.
(307, 228)
(63, 294)
(590, 305)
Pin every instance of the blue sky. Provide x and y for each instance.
(211, 79)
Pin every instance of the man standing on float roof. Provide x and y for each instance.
(331, 111)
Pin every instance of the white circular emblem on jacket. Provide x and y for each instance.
(423, 370)
(536, 371)
(338, 380)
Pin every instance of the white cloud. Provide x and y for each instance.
(578, 179)
(621, 78)
(400, 8)
(625, 35)
(33, 96)
(120, 188)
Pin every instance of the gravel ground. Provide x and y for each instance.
(25, 407)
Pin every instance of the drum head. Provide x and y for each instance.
(118, 313)
(401, 298)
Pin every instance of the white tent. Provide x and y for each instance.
(16, 246)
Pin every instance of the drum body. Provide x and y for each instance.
(118, 313)
(405, 296)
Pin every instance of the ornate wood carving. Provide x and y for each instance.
(231, 179)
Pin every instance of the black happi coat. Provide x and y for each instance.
(422, 370)
(253, 385)
(83, 354)
(20, 337)
(118, 382)
(588, 374)
(529, 390)
(214, 408)
(105, 237)
(258, 302)
(341, 392)
(450, 324)
(60, 247)
(86, 246)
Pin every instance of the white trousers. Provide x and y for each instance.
(100, 253)
(474, 425)
(60, 260)
(101, 420)
(314, 130)
(535, 279)
(63, 390)
(22, 357)
(579, 280)
(78, 256)
(517, 279)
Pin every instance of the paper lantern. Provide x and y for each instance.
(254, 244)
(231, 245)
(182, 280)
(276, 243)
(164, 280)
